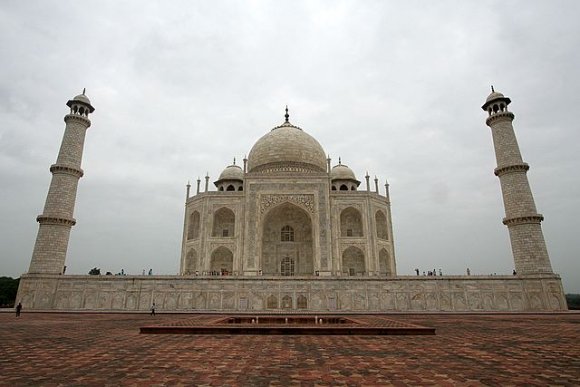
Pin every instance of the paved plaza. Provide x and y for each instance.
(52, 349)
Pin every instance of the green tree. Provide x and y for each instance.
(573, 301)
(95, 271)
(8, 290)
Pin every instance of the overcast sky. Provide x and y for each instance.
(181, 88)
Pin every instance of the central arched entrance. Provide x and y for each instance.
(287, 242)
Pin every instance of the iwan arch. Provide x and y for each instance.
(287, 230)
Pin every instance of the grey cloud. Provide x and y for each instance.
(393, 88)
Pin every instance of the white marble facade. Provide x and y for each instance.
(288, 213)
(294, 295)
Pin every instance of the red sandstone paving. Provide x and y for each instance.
(470, 350)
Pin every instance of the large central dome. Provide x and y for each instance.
(287, 148)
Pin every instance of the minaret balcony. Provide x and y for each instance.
(499, 116)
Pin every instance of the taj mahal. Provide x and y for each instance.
(286, 230)
(288, 213)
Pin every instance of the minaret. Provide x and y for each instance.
(57, 219)
(522, 219)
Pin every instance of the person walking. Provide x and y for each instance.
(18, 309)
(153, 309)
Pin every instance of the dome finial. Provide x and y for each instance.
(492, 90)
(234, 161)
(339, 161)
(84, 89)
(287, 116)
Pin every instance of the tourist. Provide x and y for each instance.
(18, 309)
(417, 271)
(514, 272)
(468, 271)
(153, 309)
(440, 272)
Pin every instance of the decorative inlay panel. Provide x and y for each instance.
(305, 201)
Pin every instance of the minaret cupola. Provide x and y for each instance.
(80, 105)
(497, 104)
(231, 179)
(342, 178)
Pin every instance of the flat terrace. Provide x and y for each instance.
(107, 349)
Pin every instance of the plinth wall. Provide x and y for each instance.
(299, 294)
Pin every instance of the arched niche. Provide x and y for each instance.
(224, 221)
(384, 262)
(193, 227)
(222, 261)
(272, 302)
(353, 261)
(190, 264)
(381, 225)
(286, 302)
(351, 223)
(287, 216)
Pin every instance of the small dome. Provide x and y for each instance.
(342, 172)
(287, 144)
(494, 95)
(232, 172)
(82, 98)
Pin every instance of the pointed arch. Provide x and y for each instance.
(224, 221)
(302, 302)
(278, 226)
(191, 262)
(381, 225)
(272, 302)
(193, 226)
(384, 266)
(351, 223)
(286, 302)
(353, 261)
(222, 260)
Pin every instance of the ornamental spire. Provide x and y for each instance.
(287, 116)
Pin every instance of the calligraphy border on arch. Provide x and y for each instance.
(305, 201)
